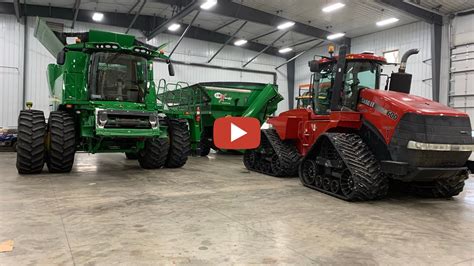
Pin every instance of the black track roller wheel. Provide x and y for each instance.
(30, 143)
(309, 172)
(153, 156)
(61, 144)
(180, 143)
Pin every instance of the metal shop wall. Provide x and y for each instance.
(461, 87)
(36, 87)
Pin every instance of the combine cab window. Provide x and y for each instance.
(117, 77)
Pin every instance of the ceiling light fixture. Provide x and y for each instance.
(174, 27)
(387, 21)
(285, 25)
(333, 7)
(97, 16)
(208, 4)
(335, 36)
(285, 50)
(240, 42)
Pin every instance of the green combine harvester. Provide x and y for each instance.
(103, 100)
(201, 104)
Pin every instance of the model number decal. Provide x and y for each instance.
(392, 115)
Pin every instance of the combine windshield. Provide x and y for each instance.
(117, 77)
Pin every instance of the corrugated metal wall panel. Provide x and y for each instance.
(11, 71)
(461, 92)
(403, 38)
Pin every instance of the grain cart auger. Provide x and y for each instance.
(103, 100)
(352, 137)
(202, 103)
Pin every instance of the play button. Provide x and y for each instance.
(237, 133)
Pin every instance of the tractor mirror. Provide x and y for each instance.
(61, 58)
(170, 69)
(314, 66)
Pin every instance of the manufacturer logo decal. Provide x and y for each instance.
(392, 115)
(222, 97)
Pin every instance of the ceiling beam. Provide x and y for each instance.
(77, 5)
(415, 11)
(226, 24)
(143, 23)
(228, 41)
(184, 33)
(178, 16)
(264, 49)
(136, 16)
(235, 10)
(133, 7)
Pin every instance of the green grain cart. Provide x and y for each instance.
(103, 99)
(201, 104)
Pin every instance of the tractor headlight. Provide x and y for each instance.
(102, 119)
(415, 145)
(153, 121)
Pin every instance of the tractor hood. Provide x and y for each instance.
(400, 103)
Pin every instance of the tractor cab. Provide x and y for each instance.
(360, 71)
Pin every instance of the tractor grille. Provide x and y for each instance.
(431, 129)
(126, 119)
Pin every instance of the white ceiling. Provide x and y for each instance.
(444, 6)
(357, 18)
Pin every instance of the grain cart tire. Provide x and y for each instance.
(204, 148)
(131, 155)
(180, 143)
(61, 142)
(444, 188)
(153, 156)
(30, 142)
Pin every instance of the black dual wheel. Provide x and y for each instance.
(154, 155)
(61, 142)
(179, 143)
(30, 142)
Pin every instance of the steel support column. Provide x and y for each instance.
(436, 59)
(290, 75)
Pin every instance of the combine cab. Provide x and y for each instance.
(349, 137)
(103, 99)
(201, 104)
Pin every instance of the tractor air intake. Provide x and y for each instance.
(401, 81)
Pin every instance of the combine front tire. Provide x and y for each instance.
(30, 142)
(153, 156)
(444, 188)
(62, 142)
(180, 143)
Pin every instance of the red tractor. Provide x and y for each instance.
(350, 138)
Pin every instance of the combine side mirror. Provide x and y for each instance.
(313, 66)
(170, 68)
(61, 58)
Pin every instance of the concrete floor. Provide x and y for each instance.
(213, 211)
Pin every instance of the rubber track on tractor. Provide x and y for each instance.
(350, 159)
(279, 158)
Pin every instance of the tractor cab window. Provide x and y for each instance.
(117, 77)
(359, 75)
(323, 82)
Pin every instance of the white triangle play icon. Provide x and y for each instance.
(236, 132)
